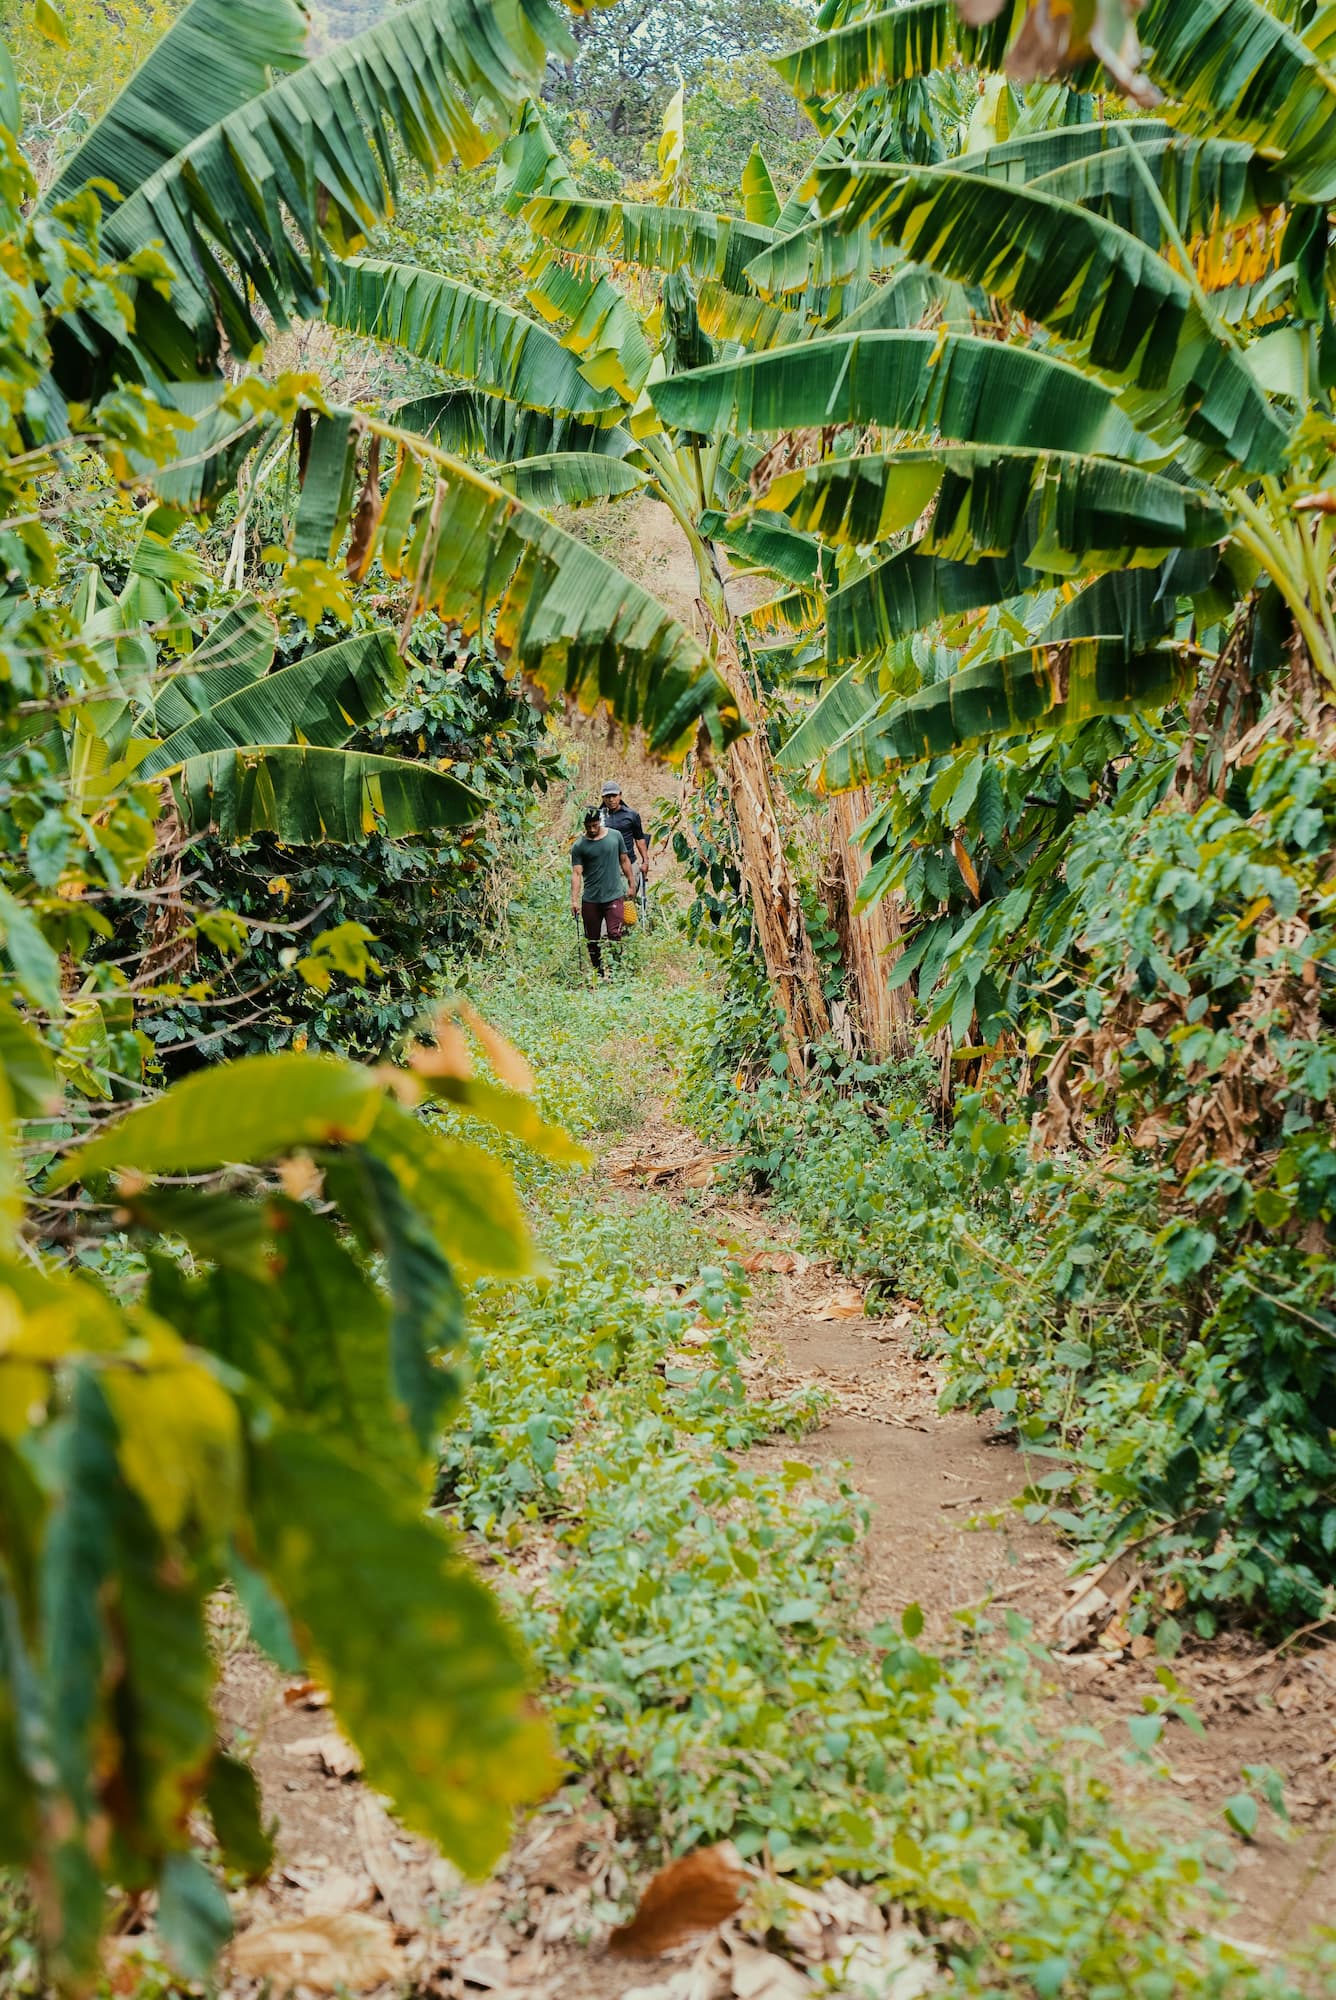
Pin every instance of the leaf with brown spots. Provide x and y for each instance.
(695, 1894)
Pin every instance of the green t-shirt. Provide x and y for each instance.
(601, 861)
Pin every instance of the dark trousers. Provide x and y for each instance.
(594, 916)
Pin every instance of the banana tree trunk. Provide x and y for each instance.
(790, 962)
(871, 942)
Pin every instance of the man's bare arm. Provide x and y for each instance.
(625, 860)
(577, 879)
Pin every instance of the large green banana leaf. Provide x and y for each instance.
(569, 479)
(753, 322)
(234, 653)
(978, 391)
(473, 425)
(1235, 66)
(845, 704)
(1055, 686)
(765, 540)
(1139, 606)
(910, 298)
(820, 257)
(561, 615)
(913, 590)
(320, 699)
(246, 207)
(1054, 508)
(1206, 184)
(900, 42)
(306, 796)
(760, 198)
(463, 332)
(531, 163)
(658, 238)
(216, 56)
(1101, 289)
(604, 331)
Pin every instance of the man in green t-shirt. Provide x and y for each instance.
(601, 880)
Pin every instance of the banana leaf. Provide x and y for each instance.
(760, 202)
(604, 334)
(463, 332)
(1133, 605)
(530, 163)
(1134, 318)
(321, 699)
(216, 56)
(908, 299)
(753, 322)
(845, 704)
(1053, 687)
(569, 479)
(472, 425)
(655, 236)
(560, 614)
(977, 391)
(306, 796)
(248, 205)
(765, 540)
(1236, 68)
(913, 590)
(1054, 508)
(234, 653)
(898, 43)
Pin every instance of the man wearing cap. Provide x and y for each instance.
(626, 821)
(601, 880)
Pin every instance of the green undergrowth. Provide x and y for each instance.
(693, 1602)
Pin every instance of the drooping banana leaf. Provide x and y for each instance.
(463, 332)
(1124, 308)
(472, 425)
(1055, 687)
(1133, 605)
(216, 56)
(320, 699)
(1206, 184)
(604, 332)
(817, 259)
(233, 653)
(656, 237)
(914, 590)
(310, 162)
(765, 540)
(794, 613)
(845, 704)
(306, 796)
(909, 298)
(753, 322)
(563, 616)
(1234, 66)
(1054, 508)
(569, 479)
(978, 391)
(898, 43)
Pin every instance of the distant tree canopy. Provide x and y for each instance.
(629, 58)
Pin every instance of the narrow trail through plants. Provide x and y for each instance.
(835, 1397)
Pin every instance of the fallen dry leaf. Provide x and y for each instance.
(334, 1751)
(846, 1302)
(694, 1894)
(763, 1975)
(487, 1968)
(894, 1967)
(782, 1261)
(308, 1693)
(324, 1952)
(338, 1891)
(378, 1858)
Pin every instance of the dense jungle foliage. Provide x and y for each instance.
(983, 359)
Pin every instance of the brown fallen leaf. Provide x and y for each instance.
(338, 1891)
(334, 1751)
(771, 1260)
(308, 1693)
(844, 1303)
(378, 1858)
(694, 1894)
(344, 1948)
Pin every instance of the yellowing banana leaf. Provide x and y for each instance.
(321, 699)
(753, 322)
(604, 332)
(978, 391)
(656, 236)
(463, 332)
(561, 615)
(216, 56)
(306, 796)
(1055, 686)
(1133, 316)
(1053, 508)
(1235, 66)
